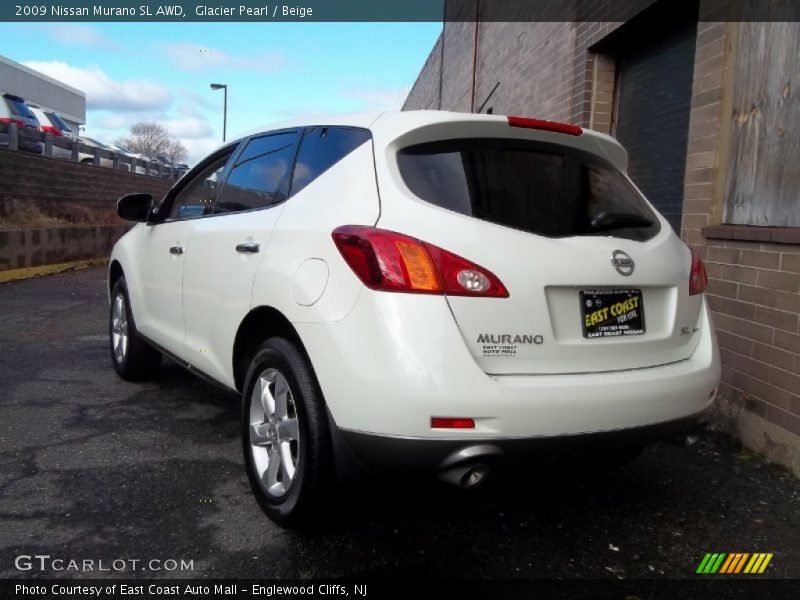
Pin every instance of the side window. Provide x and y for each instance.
(321, 148)
(196, 199)
(260, 177)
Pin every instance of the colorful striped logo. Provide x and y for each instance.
(736, 562)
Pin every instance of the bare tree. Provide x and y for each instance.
(148, 138)
(176, 152)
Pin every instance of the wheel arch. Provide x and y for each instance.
(114, 273)
(259, 324)
(266, 321)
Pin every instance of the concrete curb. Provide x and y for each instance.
(43, 270)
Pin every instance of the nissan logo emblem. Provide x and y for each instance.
(622, 262)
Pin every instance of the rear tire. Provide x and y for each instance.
(134, 359)
(285, 435)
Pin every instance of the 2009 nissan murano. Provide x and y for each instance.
(424, 291)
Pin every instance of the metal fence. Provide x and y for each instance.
(27, 140)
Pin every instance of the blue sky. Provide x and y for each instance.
(162, 71)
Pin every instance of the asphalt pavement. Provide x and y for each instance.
(95, 468)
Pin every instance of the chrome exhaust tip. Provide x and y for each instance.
(466, 476)
(476, 476)
(468, 467)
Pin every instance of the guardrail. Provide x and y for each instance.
(83, 153)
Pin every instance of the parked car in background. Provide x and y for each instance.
(50, 122)
(57, 121)
(175, 168)
(104, 162)
(13, 110)
(420, 291)
(139, 169)
(55, 127)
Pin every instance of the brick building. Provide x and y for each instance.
(709, 111)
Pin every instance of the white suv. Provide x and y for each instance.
(50, 122)
(423, 291)
(13, 110)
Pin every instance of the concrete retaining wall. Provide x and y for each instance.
(49, 182)
(71, 191)
(35, 247)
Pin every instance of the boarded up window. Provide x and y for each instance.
(763, 184)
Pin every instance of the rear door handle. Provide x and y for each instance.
(176, 250)
(248, 247)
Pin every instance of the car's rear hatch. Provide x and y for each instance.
(596, 280)
(20, 111)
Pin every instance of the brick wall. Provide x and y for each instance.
(50, 181)
(754, 289)
(545, 69)
(456, 69)
(426, 89)
(541, 51)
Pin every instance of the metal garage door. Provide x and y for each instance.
(654, 90)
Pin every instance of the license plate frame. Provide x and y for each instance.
(611, 312)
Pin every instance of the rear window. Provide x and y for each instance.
(58, 122)
(20, 109)
(539, 188)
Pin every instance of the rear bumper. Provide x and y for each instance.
(397, 360)
(375, 453)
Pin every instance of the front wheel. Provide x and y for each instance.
(134, 359)
(285, 435)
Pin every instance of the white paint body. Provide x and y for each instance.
(388, 362)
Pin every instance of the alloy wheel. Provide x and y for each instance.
(274, 433)
(119, 328)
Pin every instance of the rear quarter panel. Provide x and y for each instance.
(292, 277)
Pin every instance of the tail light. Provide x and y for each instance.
(51, 130)
(393, 262)
(16, 122)
(528, 123)
(698, 280)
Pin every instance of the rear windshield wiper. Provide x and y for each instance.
(607, 221)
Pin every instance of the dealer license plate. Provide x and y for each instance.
(611, 312)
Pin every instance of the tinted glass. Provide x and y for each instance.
(197, 198)
(20, 109)
(260, 177)
(544, 189)
(321, 148)
(58, 121)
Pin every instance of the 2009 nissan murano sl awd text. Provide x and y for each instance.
(419, 291)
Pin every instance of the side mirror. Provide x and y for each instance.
(135, 207)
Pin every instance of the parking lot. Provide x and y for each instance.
(92, 467)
